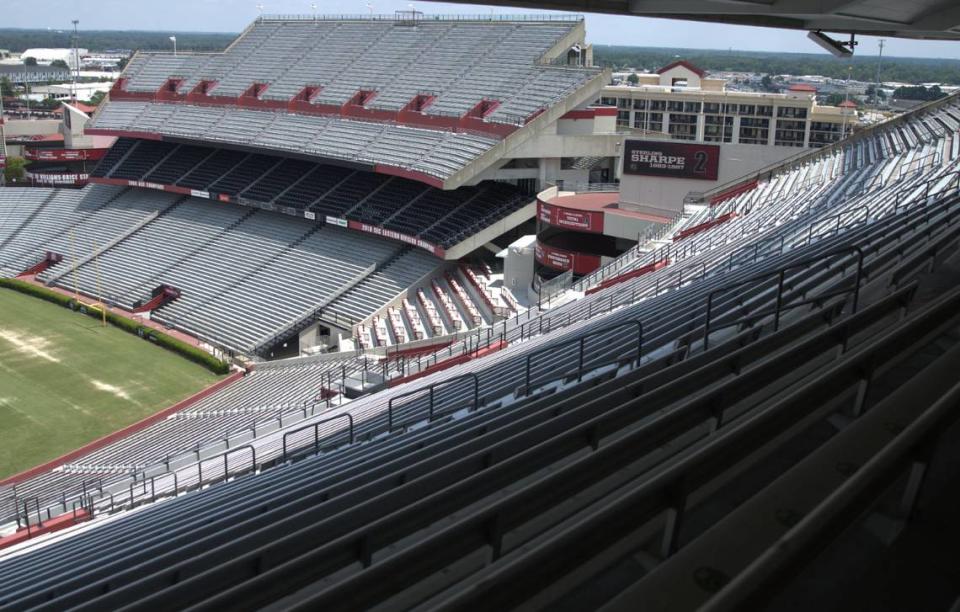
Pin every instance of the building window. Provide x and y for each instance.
(823, 133)
(711, 108)
(640, 104)
(608, 101)
(650, 122)
(683, 127)
(717, 129)
(792, 112)
(790, 133)
(623, 118)
(754, 131)
(691, 107)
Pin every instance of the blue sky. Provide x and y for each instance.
(233, 15)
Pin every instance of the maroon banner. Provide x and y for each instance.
(671, 159)
(563, 260)
(64, 154)
(386, 233)
(579, 220)
(3, 161)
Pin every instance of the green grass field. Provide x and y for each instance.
(65, 380)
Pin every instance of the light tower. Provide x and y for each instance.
(3, 146)
(876, 91)
(76, 60)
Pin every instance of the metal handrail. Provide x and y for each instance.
(316, 432)
(430, 390)
(838, 217)
(581, 340)
(780, 275)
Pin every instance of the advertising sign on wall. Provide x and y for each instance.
(671, 159)
(584, 221)
(563, 260)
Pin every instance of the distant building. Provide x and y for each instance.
(65, 91)
(48, 56)
(20, 74)
(680, 102)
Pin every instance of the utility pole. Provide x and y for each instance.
(76, 59)
(876, 91)
(846, 98)
(3, 146)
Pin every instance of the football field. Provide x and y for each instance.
(66, 380)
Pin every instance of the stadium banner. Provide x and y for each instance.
(64, 154)
(57, 179)
(671, 159)
(563, 260)
(200, 194)
(3, 161)
(385, 233)
(309, 215)
(579, 220)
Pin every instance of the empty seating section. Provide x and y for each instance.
(310, 189)
(443, 218)
(149, 154)
(460, 62)
(176, 165)
(17, 206)
(382, 287)
(256, 401)
(284, 290)
(281, 177)
(435, 153)
(245, 275)
(418, 315)
(70, 223)
(629, 424)
(213, 167)
(116, 153)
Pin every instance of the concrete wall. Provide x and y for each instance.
(667, 194)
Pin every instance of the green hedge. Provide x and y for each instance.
(159, 338)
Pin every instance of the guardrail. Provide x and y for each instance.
(582, 341)
(780, 275)
(316, 432)
(430, 390)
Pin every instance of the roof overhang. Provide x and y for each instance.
(921, 19)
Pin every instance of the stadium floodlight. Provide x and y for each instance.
(836, 47)
(174, 40)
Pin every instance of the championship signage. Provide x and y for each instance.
(671, 159)
(563, 260)
(584, 221)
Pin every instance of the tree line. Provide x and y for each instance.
(860, 67)
(19, 40)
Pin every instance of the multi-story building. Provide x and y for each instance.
(680, 102)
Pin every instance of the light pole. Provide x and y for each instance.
(76, 60)
(876, 91)
(174, 39)
(3, 146)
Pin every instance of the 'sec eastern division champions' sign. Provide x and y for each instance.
(671, 159)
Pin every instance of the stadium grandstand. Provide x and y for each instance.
(753, 395)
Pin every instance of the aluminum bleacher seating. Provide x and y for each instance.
(443, 218)
(700, 431)
(435, 153)
(459, 63)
